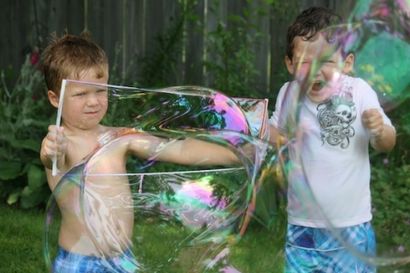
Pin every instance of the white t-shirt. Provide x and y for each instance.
(330, 155)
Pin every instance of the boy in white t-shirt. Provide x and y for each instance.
(337, 117)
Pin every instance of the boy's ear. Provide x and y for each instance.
(289, 65)
(348, 64)
(53, 98)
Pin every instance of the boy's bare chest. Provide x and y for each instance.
(111, 160)
(79, 149)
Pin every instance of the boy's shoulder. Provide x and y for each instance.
(358, 87)
(289, 86)
(355, 81)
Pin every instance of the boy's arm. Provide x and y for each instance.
(275, 137)
(383, 136)
(187, 151)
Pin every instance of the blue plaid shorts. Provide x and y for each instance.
(69, 262)
(316, 250)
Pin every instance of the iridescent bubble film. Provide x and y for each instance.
(382, 43)
(378, 34)
(165, 217)
(380, 37)
(146, 214)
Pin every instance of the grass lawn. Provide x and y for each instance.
(21, 240)
(21, 245)
(259, 251)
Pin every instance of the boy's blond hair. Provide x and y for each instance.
(68, 56)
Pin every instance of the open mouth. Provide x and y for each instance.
(318, 85)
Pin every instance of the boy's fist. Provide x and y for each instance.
(373, 120)
(54, 146)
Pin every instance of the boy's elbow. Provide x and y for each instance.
(384, 148)
(387, 142)
(233, 159)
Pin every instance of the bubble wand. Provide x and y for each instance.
(54, 170)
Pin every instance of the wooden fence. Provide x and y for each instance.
(128, 30)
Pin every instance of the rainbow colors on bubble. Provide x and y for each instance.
(172, 218)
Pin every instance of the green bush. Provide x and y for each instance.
(390, 184)
(25, 114)
(390, 192)
(232, 48)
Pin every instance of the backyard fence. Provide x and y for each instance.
(131, 30)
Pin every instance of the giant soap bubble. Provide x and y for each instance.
(155, 216)
(378, 33)
(380, 37)
(382, 42)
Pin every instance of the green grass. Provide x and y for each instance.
(259, 251)
(21, 241)
(21, 245)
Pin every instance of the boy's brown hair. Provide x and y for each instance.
(308, 23)
(70, 55)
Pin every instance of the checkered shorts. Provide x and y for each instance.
(316, 250)
(68, 262)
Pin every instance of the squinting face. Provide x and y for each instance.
(85, 105)
(320, 63)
